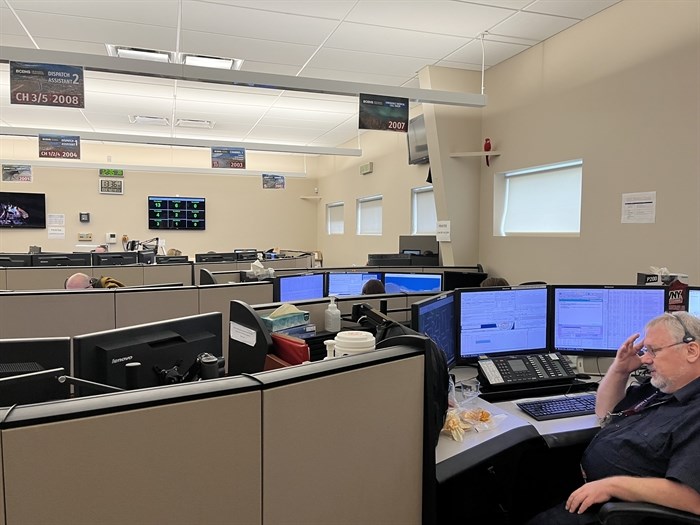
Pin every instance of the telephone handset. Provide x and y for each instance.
(516, 371)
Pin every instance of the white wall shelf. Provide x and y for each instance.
(475, 154)
(310, 197)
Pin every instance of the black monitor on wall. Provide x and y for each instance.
(15, 259)
(436, 318)
(215, 257)
(61, 259)
(501, 321)
(25, 366)
(166, 350)
(114, 258)
(595, 320)
(290, 288)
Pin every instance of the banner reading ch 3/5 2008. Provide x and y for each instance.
(47, 85)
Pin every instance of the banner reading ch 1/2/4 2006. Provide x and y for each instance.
(47, 85)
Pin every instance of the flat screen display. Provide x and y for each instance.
(349, 283)
(694, 301)
(506, 320)
(290, 288)
(176, 213)
(22, 210)
(595, 320)
(435, 317)
(412, 282)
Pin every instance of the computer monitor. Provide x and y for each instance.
(166, 350)
(146, 256)
(15, 259)
(435, 317)
(215, 257)
(388, 259)
(694, 301)
(19, 357)
(290, 288)
(595, 320)
(412, 282)
(171, 259)
(246, 254)
(114, 258)
(349, 283)
(501, 321)
(61, 259)
(452, 280)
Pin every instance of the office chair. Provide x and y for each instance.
(632, 513)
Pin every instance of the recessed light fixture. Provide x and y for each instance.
(194, 123)
(210, 61)
(140, 53)
(154, 121)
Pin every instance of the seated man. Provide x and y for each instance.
(649, 445)
(79, 281)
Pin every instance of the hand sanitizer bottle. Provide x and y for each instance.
(332, 317)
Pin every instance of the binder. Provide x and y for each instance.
(291, 349)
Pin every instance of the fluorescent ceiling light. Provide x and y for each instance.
(209, 61)
(154, 121)
(194, 123)
(139, 53)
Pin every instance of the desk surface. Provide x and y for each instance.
(453, 457)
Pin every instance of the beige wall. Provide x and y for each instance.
(621, 91)
(240, 214)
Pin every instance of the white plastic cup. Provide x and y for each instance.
(353, 342)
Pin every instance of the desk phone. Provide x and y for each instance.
(518, 371)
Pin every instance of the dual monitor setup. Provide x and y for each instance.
(298, 287)
(581, 320)
(179, 350)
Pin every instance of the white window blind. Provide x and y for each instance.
(543, 200)
(369, 215)
(423, 213)
(335, 218)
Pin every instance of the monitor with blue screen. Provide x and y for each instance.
(435, 317)
(290, 288)
(349, 283)
(595, 320)
(412, 282)
(501, 321)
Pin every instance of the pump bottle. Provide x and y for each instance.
(332, 317)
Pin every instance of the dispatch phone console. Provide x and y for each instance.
(524, 371)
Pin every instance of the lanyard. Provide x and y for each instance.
(642, 405)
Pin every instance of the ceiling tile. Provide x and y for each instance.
(71, 46)
(368, 62)
(494, 52)
(215, 96)
(508, 4)
(147, 12)
(571, 8)
(534, 26)
(335, 10)
(9, 25)
(292, 101)
(460, 65)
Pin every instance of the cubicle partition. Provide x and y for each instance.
(57, 313)
(52, 278)
(168, 273)
(3, 279)
(140, 306)
(321, 443)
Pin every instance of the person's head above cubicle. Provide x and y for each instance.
(494, 281)
(81, 281)
(373, 286)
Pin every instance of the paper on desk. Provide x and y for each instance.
(285, 309)
(260, 271)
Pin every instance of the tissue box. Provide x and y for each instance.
(286, 321)
(656, 279)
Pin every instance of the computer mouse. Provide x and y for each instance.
(582, 376)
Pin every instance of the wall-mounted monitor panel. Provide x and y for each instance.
(22, 210)
(176, 213)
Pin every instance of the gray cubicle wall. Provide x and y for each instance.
(168, 273)
(146, 305)
(323, 443)
(301, 262)
(113, 459)
(343, 448)
(50, 278)
(3, 279)
(57, 313)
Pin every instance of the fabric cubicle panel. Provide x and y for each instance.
(129, 275)
(59, 313)
(3, 279)
(2, 494)
(49, 278)
(342, 443)
(134, 307)
(179, 462)
(168, 273)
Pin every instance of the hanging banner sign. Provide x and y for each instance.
(47, 85)
(383, 113)
(224, 157)
(59, 146)
(272, 182)
(16, 173)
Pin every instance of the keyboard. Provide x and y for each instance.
(558, 407)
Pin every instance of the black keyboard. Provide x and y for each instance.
(556, 407)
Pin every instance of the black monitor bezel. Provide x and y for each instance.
(690, 288)
(591, 352)
(15, 260)
(215, 257)
(471, 360)
(277, 285)
(114, 258)
(415, 314)
(74, 259)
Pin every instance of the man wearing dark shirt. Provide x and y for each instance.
(649, 446)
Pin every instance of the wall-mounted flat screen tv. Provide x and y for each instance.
(417, 141)
(176, 213)
(22, 210)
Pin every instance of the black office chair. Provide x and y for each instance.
(632, 513)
